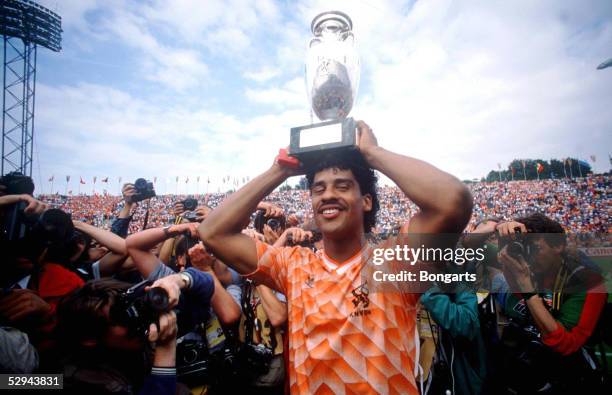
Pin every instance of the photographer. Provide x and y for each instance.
(269, 221)
(35, 277)
(209, 323)
(262, 329)
(150, 267)
(121, 224)
(557, 291)
(109, 354)
(93, 263)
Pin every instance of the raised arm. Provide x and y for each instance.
(445, 203)
(139, 245)
(221, 231)
(108, 239)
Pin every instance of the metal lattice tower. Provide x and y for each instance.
(23, 25)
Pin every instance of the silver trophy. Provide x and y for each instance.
(332, 79)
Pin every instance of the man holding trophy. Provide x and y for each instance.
(343, 337)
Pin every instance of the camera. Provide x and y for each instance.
(144, 190)
(190, 204)
(261, 220)
(309, 243)
(193, 362)
(138, 309)
(517, 247)
(17, 184)
(27, 235)
(255, 358)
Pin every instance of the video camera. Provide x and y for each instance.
(144, 190)
(138, 309)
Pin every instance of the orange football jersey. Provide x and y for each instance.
(343, 338)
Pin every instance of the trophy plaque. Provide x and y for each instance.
(332, 79)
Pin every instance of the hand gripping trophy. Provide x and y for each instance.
(332, 79)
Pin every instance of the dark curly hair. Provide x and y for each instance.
(552, 231)
(365, 176)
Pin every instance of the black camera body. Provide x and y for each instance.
(193, 365)
(517, 247)
(17, 184)
(144, 190)
(190, 204)
(255, 358)
(27, 235)
(261, 220)
(138, 309)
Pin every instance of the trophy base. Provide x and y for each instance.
(311, 143)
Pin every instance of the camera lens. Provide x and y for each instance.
(516, 249)
(157, 299)
(273, 223)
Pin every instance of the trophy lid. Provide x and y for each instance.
(331, 21)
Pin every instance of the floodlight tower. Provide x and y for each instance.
(23, 25)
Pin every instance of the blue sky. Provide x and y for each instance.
(211, 88)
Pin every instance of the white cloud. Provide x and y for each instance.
(463, 85)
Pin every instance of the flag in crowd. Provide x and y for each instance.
(105, 180)
(67, 178)
(94, 179)
(51, 178)
(82, 181)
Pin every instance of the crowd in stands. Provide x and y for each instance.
(580, 205)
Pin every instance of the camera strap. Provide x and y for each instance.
(560, 281)
(146, 218)
(247, 294)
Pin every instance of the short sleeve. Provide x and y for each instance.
(160, 271)
(271, 267)
(236, 293)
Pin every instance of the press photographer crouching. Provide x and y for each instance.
(556, 302)
(36, 245)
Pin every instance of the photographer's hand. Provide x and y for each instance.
(271, 210)
(507, 229)
(298, 235)
(128, 191)
(518, 270)
(173, 285)
(34, 206)
(270, 236)
(165, 340)
(202, 212)
(179, 209)
(23, 303)
(200, 258)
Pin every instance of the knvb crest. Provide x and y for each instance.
(361, 300)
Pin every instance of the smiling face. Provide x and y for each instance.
(338, 204)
